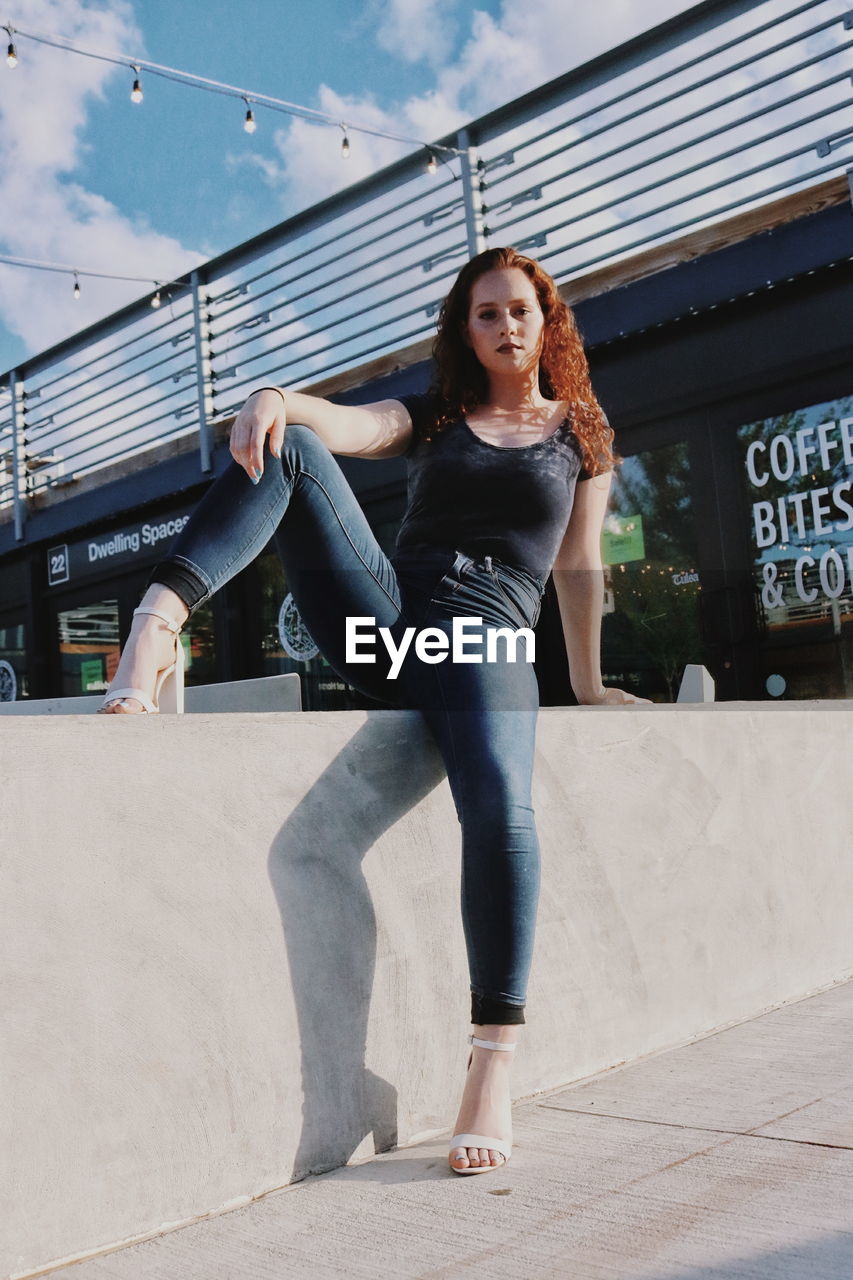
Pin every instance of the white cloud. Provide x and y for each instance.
(43, 216)
(500, 59)
(311, 154)
(416, 30)
(523, 47)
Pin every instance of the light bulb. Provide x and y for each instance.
(432, 164)
(250, 124)
(136, 92)
(155, 301)
(11, 55)
(345, 147)
(76, 289)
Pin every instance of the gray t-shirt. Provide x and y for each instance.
(512, 502)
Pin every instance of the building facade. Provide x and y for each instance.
(724, 364)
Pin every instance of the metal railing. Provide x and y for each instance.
(717, 110)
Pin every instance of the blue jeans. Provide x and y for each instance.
(482, 715)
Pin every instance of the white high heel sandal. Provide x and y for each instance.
(478, 1139)
(169, 690)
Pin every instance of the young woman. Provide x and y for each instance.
(509, 460)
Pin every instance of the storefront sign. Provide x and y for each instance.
(8, 682)
(293, 634)
(92, 675)
(137, 543)
(622, 539)
(799, 469)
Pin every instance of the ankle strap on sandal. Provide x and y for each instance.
(170, 622)
(490, 1044)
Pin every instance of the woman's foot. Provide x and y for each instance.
(149, 649)
(486, 1106)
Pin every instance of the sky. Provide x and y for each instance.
(90, 179)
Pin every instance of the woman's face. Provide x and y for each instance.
(505, 321)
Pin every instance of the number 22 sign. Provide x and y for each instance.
(57, 565)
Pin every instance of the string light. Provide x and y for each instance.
(156, 299)
(435, 151)
(192, 81)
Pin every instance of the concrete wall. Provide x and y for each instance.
(266, 693)
(231, 948)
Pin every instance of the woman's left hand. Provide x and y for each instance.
(611, 697)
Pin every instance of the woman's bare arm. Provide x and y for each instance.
(579, 582)
(380, 430)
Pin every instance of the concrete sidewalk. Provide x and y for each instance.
(729, 1157)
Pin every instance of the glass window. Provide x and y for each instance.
(651, 628)
(286, 644)
(199, 641)
(797, 472)
(88, 647)
(288, 647)
(14, 674)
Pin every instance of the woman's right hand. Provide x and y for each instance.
(610, 696)
(263, 414)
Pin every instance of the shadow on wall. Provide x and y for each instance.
(315, 867)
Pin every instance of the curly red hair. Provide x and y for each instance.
(461, 383)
